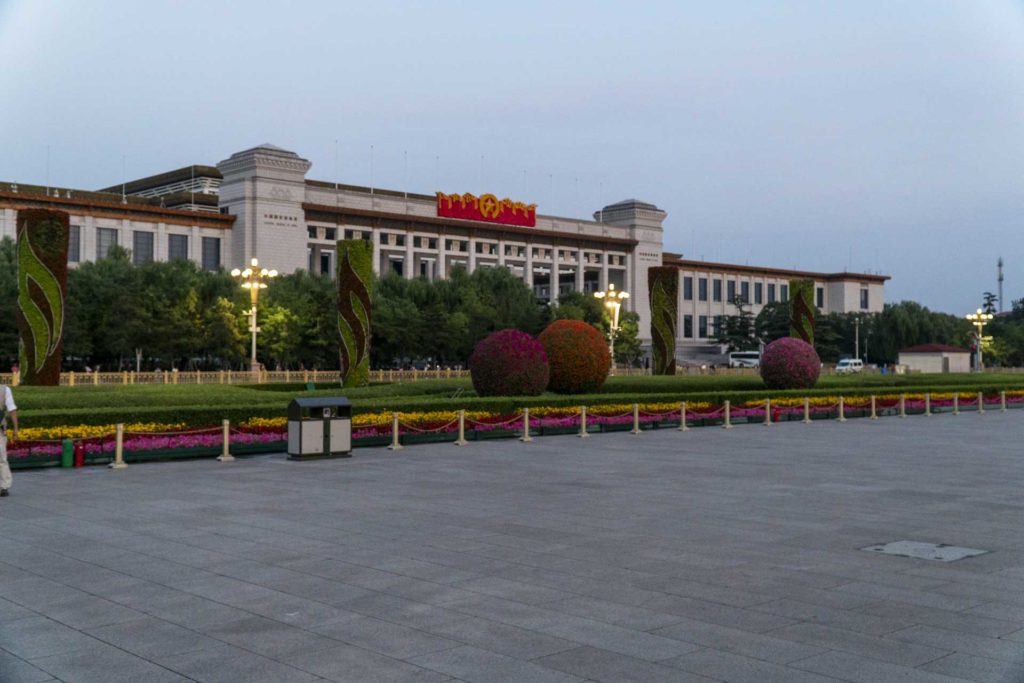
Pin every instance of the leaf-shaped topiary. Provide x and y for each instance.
(509, 363)
(790, 363)
(578, 355)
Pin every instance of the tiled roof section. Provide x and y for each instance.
(933, 348)
(669, 260)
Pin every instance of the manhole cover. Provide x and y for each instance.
(925, 551)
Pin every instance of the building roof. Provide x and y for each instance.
(178, 175)
(670, 260)
(631, 204)
(933, 348)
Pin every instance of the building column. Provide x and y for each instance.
(501, 252)
(442, 257)
(579, 270)
(375, 235)
(528, 274)
(472, 255)
(604, 270)
(410, 259)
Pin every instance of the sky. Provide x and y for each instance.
(871, 136)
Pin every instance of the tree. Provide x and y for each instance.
(739, 331)
(989, 302)
(627, 340)
(8, 303)
(772, 322)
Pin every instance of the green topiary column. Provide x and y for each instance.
(663, 287)
(355, 275)
(801, 310)
(42, 290)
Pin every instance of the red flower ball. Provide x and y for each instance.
(509, 363)
(578, 355)
(790, 363)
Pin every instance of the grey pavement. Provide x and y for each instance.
(709, 555)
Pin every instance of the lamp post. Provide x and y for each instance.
(613, 302)
(254, 279)
(979, 320)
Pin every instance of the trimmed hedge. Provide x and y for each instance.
(509, 363)
(578, 356)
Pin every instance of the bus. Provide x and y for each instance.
(745, 359)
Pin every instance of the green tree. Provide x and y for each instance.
(989, 302)
(739, 331)
(8, 304)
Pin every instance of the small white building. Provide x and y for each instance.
(935, 358)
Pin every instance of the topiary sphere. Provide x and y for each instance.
(509, 363)
(578, 355)
(790, 363)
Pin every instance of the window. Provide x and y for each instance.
(783, 293)
(864, 299)
(745, 291)
(75, 244)
(332, 233)
(211, 253)
(771, 293)
(688, 326)
(819, 297)
(142, 247)
(716, 290)
(105, 239)
(400, 240)
(177, 247)
(702, 288)
(688, 289)
(758, 293)
(311, 231)
(702, 327)
(325, 263)
(730, 291)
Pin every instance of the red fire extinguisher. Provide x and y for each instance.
(79, 454)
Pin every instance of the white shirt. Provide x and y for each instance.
(9, 400)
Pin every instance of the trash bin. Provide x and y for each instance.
(319, 428)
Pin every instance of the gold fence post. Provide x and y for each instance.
(395, 445)
(728, 415)
(842, 410)
(526, 438)
(583, 423)
(1002, 401)
(682, 416)
(927, 404)
(903, 405)
(71, 378)
(874, 412)
(119, 463)
(807, 410)
(461, 441)
(225, 452)
(636, 418)
(981, 402)
(767, 412)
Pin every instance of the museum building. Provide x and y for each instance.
(259, 203)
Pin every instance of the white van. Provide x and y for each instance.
(849, 365)
(745, 359)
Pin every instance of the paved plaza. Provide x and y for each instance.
(710, 555)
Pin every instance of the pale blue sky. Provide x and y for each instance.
(883, 136)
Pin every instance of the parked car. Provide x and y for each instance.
(849, 366)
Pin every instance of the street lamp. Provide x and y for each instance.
(613, 302)
(979, 320)
(254, 279)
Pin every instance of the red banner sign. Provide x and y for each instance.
(486, 207)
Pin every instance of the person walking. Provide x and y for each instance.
(7, 409)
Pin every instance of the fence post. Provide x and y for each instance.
(119, 463)
(874, 411)
(225, 453)
(927, 404)
(956, 403)
(842, 410)
(583, 423)
(71, 378)
(1002, 401)
(95, 377)
(728, 415)
(767, 412)
(124, 378)
(682, 416)
(636, 418)
(526, 438)
(461, 441)
(807, 410)
(199, 376)
(981, 402)
(395, 445)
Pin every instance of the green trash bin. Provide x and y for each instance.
(67, 453)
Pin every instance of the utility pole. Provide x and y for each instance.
(1000, 264)
(856, 337)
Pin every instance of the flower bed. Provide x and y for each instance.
(43, 446)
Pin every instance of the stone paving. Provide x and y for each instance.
(711, 555)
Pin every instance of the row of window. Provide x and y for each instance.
(143, 246)
(731, 290)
